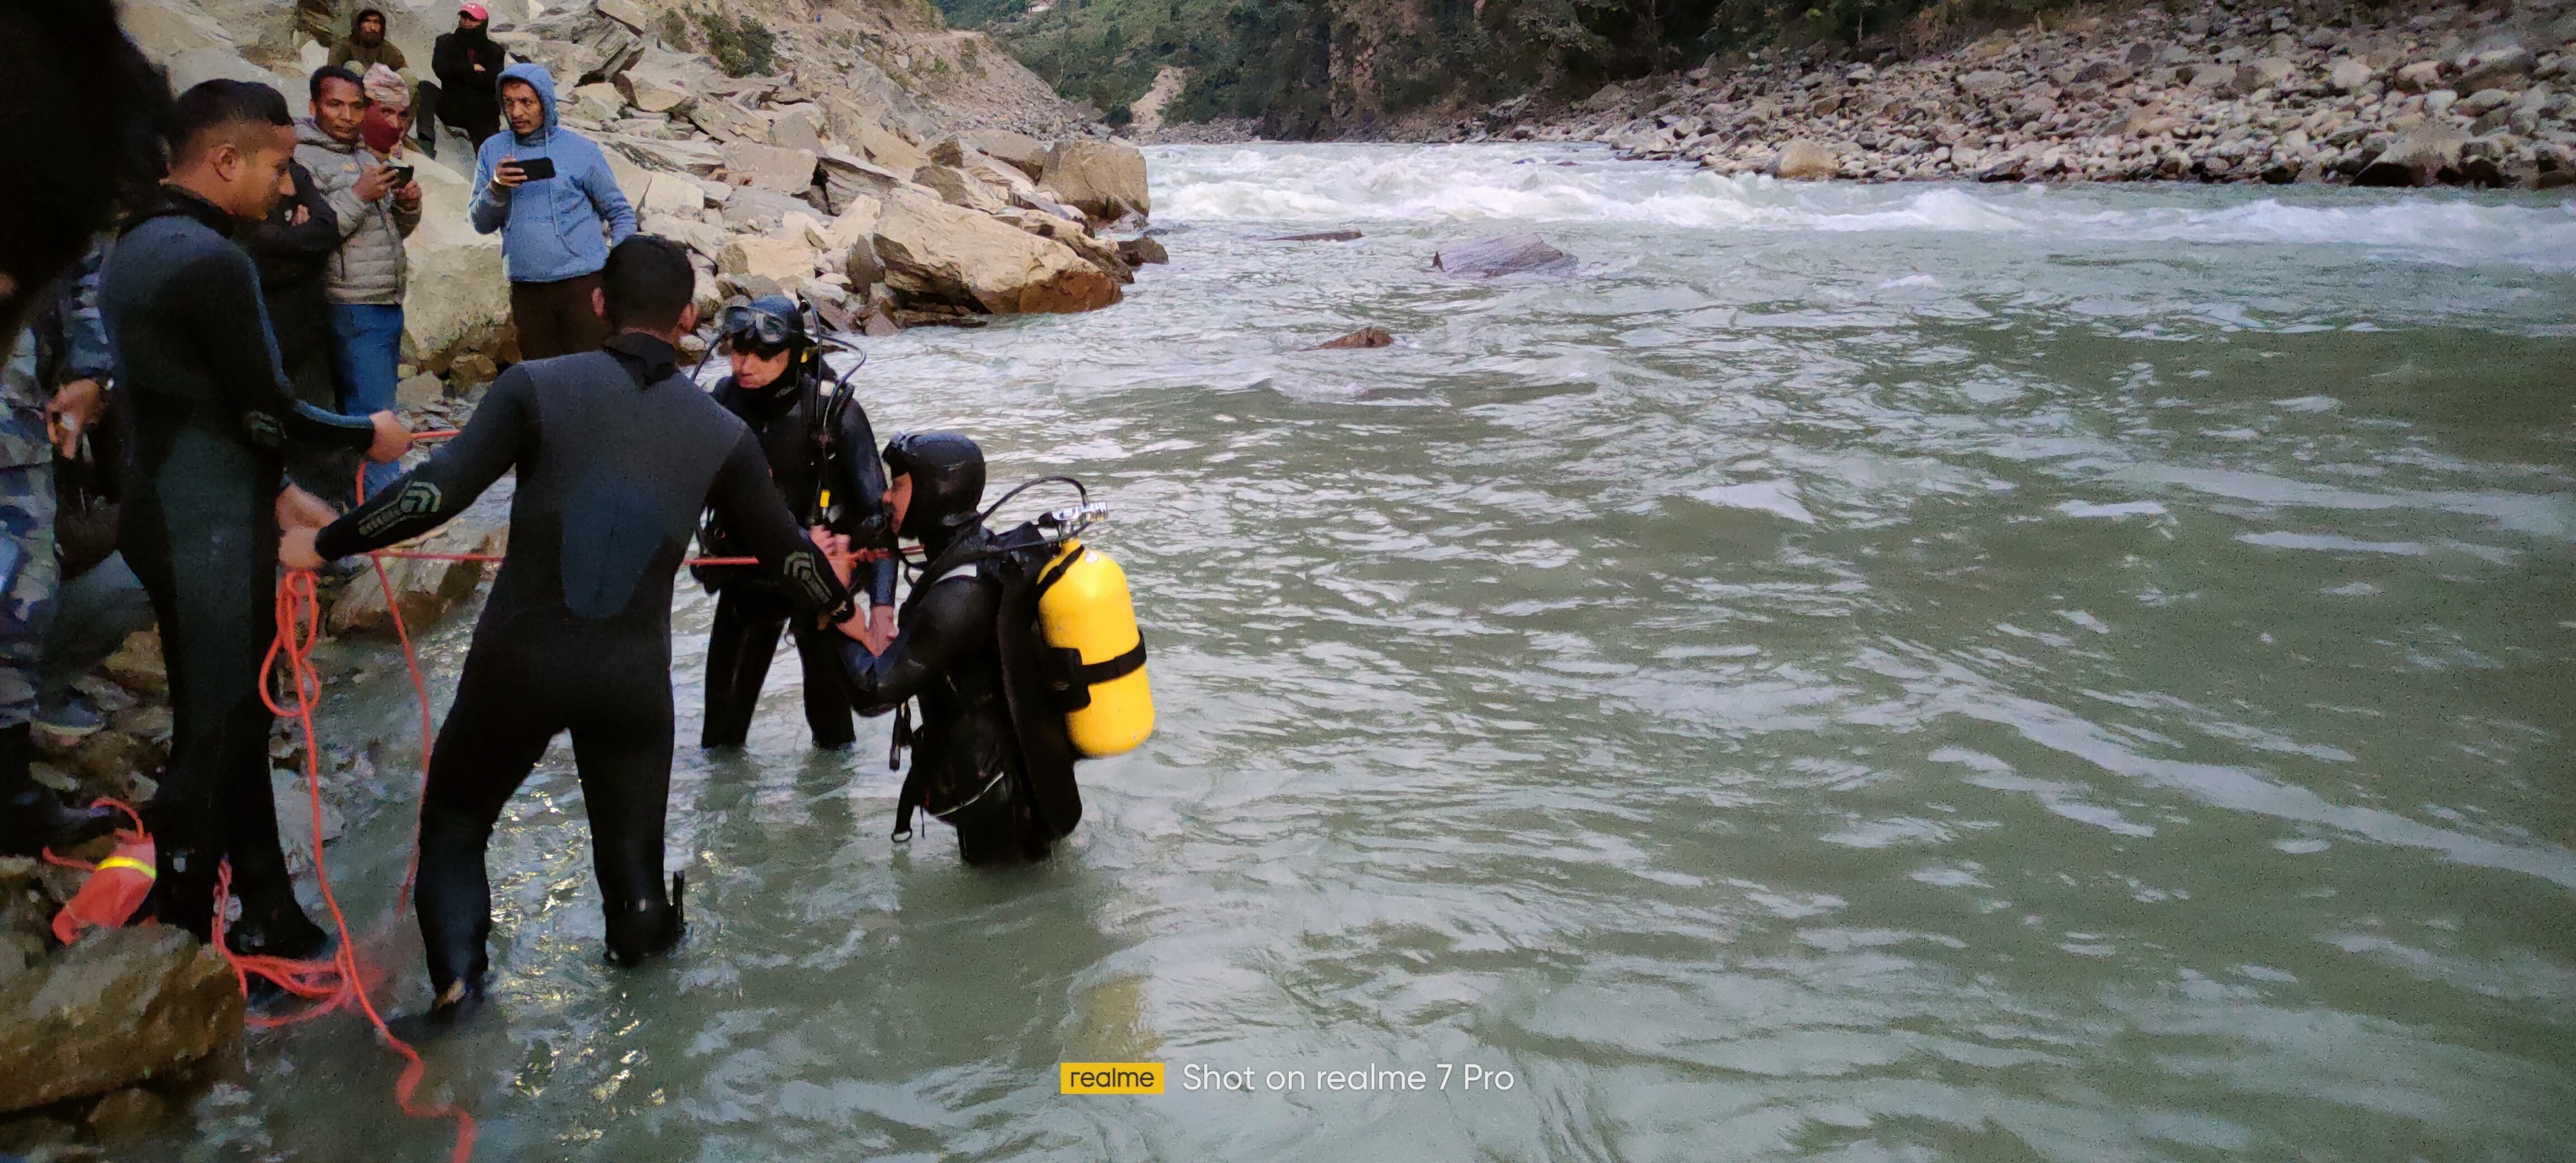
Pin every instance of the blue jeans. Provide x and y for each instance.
(366, 347)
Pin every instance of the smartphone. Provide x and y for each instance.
(401, 177)
(537, 169)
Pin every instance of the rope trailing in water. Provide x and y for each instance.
(341, 980)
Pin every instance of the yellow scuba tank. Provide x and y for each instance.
(1086, 609)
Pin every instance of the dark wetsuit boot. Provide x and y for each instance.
(454, 899)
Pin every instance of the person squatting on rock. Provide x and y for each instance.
(551, 195)
(76, 89)
(617, 454)
(468, 63)
(376, 207)
(823, 455)
(969, 766)
(206, 415)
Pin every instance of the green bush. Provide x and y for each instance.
(742, 45)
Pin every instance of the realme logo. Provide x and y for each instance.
(1110, 1077)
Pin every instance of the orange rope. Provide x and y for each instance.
(100, 802)
(340, 981)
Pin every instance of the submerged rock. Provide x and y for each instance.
(1320, 236)
(121, 1007)
(1502, 255)
(1363, 338)
(1136, 252)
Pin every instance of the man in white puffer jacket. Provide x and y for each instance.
(365, 278)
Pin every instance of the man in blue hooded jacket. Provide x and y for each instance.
(555, 229)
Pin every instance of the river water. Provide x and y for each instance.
(1868, 673)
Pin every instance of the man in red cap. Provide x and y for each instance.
(468, 64)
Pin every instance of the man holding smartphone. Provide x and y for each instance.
(377, 207)
(550, 195)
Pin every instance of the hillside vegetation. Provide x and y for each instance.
(1310, 68)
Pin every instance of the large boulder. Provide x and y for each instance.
(120, 1007)
(955, 187)
(779, 260)
(1104, 179)
(1502, 254)
(848, 178)
(2420, 157)
(1026, 153)
(671, 194)
(727, 122)
(884, 147)
(424, 589)
(1804, 161)
(656, 88)
(794, 128)
(458, 300)
(937, 253)
(768, 167)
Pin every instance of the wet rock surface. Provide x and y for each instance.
(1503, 254)
(117, 1009)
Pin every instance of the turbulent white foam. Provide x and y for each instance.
(1515, 184)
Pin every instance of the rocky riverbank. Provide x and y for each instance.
(2396, 96)
(888, 171)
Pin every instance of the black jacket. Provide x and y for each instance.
(788, 419)
(293, 261)
(464, 93)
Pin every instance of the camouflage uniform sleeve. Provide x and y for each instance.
(86, 354)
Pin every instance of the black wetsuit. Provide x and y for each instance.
(967, 768)
(787, 418)
(617, 455)
(206, 416)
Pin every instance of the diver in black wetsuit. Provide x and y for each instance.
(617, 455)
(968, 765)
(823, 455)
(207, 418)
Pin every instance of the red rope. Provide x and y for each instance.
(340, 981)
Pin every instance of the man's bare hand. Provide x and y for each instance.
(295, 551)
(392, 439)
(508, 175)
(297, 509)
(74, 408)
(836, 550)
(409, 196)
(374, 183)
(302, 215)
(880, 629)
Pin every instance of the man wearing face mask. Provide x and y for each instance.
(822, 454)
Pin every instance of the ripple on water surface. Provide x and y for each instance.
(1857, 672)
